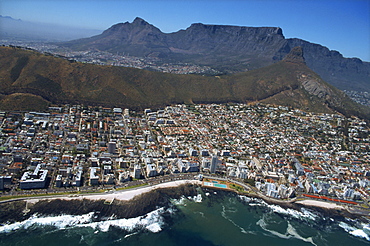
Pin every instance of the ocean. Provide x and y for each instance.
(210, 218)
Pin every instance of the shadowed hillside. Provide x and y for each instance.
(289, 82)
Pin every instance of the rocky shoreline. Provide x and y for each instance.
(327, 212)
(139, 205)
(142, 204)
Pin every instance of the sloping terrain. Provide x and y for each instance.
(288, 82)
(229, 49)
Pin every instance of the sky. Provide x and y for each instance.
(342, 25)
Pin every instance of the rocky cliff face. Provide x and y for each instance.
(227, 48)
(219, 39)
(313, 85)
(343, 73)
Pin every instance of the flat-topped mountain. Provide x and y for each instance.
(29, 78)
(226, 48)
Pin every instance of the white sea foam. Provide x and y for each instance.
(255, 204)
(363, 232)
(155, 227)
(198, 198)
(131, 234)
(262, 223)
(304, 214)
(201, 214)
(152, 221)
(179, 202)
(61, 222)
(245, 198)
(223, 213)
(253, 201)
(291, 232)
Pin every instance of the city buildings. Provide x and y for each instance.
(286, 152)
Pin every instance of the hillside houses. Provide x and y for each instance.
(286, 152)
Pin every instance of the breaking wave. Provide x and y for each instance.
(361, 230)
(198, 198)
(303, 214)
(152, 222)
(61, 222)
(183, 200)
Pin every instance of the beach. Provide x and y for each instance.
(126, 195)
(150, 196)
(121, 195)
(160, 214)
(321, 204)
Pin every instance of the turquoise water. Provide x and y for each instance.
(211, 218)
(220, 185)
(215, 184)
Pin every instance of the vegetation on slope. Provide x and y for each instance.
(289, 82)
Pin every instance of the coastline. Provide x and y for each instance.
(171, 210)
(122, 204)
(121, 195)
(326, 208)
(141, 200)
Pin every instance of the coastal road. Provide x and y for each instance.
(126, 194)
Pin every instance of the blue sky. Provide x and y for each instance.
(342, 25)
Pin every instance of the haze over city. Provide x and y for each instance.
(339, 25)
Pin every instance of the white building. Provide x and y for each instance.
(94, 176)
(181, 165)
(151, 170)
(35, 179)
(271, 190)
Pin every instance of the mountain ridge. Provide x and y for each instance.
(226, 48)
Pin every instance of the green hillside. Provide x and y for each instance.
(56, 80)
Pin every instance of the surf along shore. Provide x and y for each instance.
(327, 208)
(142, 200)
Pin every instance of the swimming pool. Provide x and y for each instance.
(215, 184)
(220, 186)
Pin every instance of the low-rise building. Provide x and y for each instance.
(34, 180)
(94, 176)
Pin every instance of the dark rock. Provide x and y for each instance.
(228, 49)
(295, 56)
(138, 206)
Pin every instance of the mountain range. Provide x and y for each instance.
(229, 49)
(31, 81)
